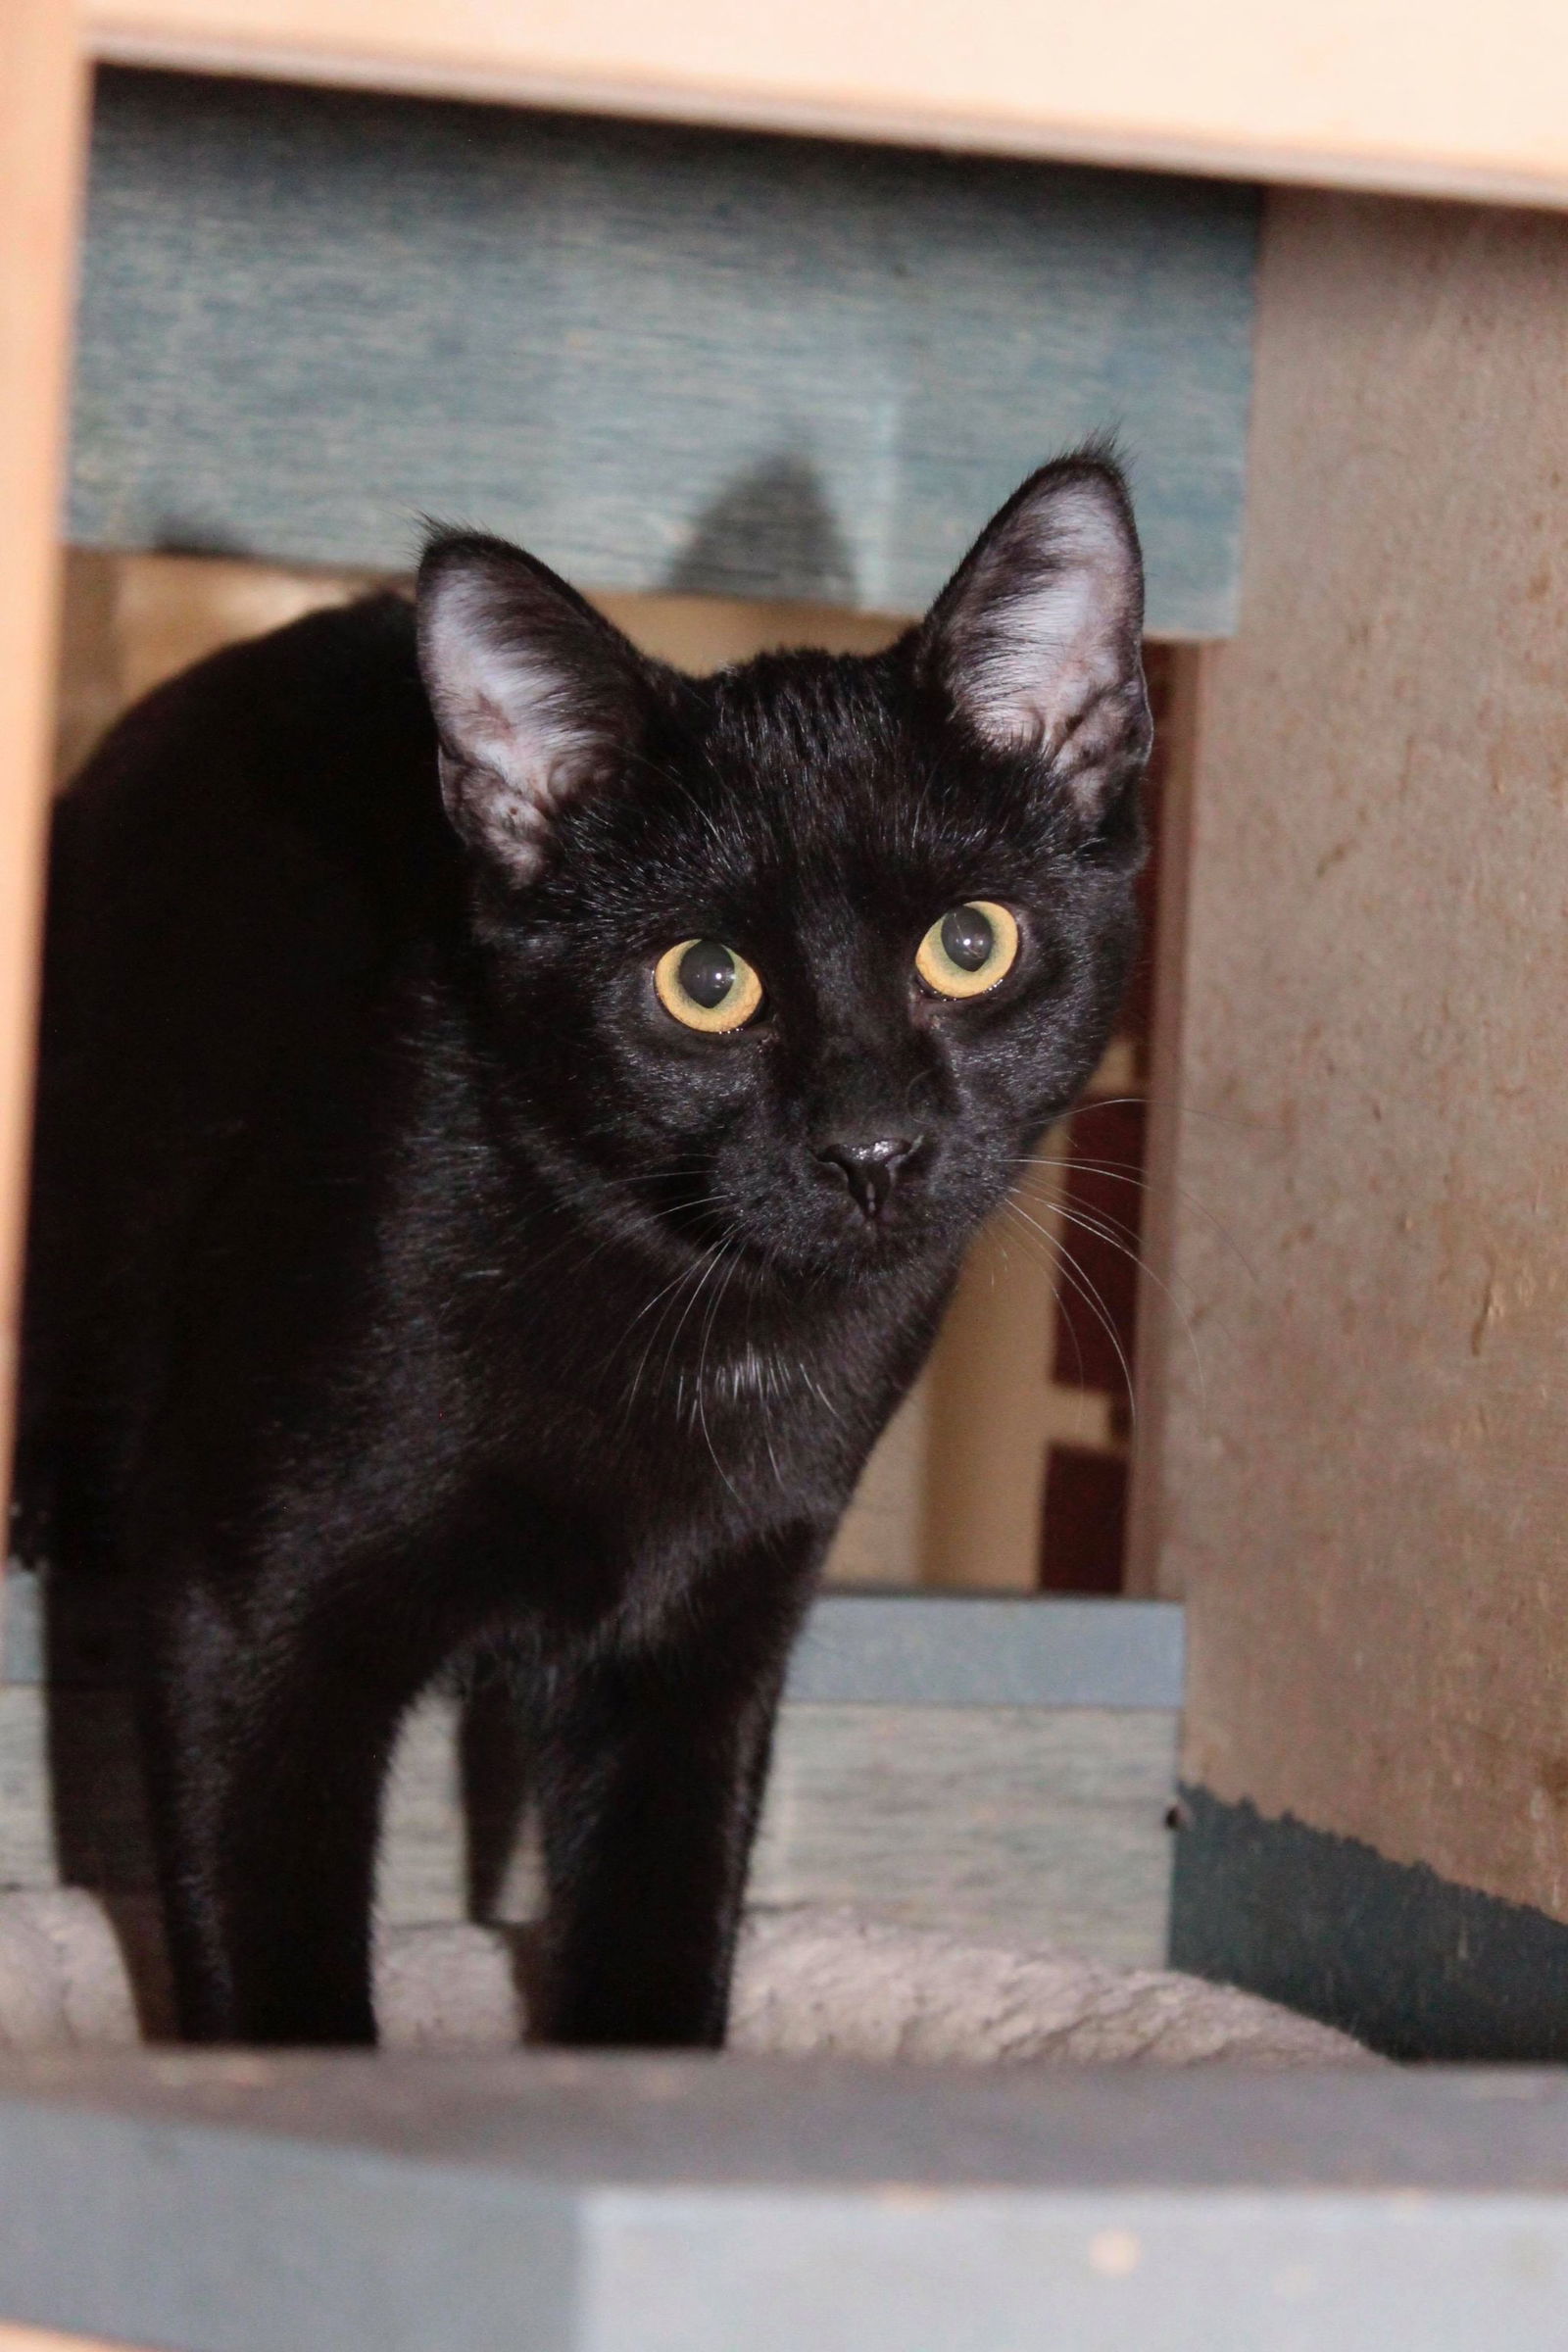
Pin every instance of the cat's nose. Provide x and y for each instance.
(870, 1169)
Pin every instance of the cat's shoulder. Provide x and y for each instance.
(341, 677)
(319, 730)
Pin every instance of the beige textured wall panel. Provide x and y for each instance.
(1436, 95)
(1369, 1512)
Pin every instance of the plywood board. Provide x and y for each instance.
(1363, 1492)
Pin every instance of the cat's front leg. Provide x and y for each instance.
(651, 1771)
(266, 1749)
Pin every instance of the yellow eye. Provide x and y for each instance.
(706, 986)
(969, 949)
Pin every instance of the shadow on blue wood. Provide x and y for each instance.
(663, 358)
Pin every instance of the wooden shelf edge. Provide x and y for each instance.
(127, 38)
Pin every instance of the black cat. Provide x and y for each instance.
(512, 1226)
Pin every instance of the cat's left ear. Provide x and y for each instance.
(536, 698)
(1037, 637)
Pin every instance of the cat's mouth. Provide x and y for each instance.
(790, 1232)
(836, 1211)
(688, 1201)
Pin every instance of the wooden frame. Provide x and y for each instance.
(41, 128)
(1444, 99)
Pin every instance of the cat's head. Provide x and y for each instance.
(806, 955)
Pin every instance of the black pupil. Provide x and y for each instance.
(707, 973)
(967, 938)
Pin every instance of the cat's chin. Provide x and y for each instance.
(782, 1249)
(854, 1256)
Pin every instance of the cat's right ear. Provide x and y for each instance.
(536, 698)
(1037, 640)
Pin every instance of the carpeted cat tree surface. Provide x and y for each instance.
(811, 1982)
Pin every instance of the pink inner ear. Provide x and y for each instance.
(1047, 620)
(524, 723)
(1043, 632)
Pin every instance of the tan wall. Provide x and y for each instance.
(1368, 1510)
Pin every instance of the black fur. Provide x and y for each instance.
(407, 1285)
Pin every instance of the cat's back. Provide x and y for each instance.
(234, 877)
(246, 853)
(310, 748)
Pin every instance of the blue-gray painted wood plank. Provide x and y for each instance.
(909, 1649)
(658, 357)
(934, 1649)
(253, 2203)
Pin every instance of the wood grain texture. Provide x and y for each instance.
(1040, 1825)
(661, 358)
(1035, 1822)
(1366, 1508)
(40, 134)
(1436, 99)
